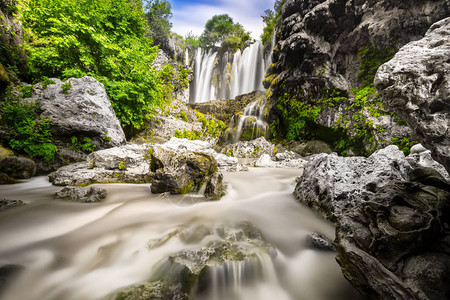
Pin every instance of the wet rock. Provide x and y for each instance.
(17, 167)
(129, 163)
(392, 221)
(6, 179)
(158, 290)
(313, 147)
(180, 172)
(416, 85)
(84, 110)
(318, 241)
(334, 184)
(7, 275)
(6, 203)
(81, 194)
(214, 188)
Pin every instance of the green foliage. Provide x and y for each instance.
(27, 91)
(104, 39)
(221, 31)
(370, 59)
(24, 132)
(270, 18)
(183, 115)
(404, 144)
(46, 82)
(183, 77)
(186, 134)
(66, 87)
(86, 145)
(122, 166)
(158, 14)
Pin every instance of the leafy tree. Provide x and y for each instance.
(270, 20)
(103, 39)
(192, 40)
(159, 13)
(221, 30)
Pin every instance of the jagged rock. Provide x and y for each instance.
(17, 167)
(179, 172)
(83, 111)
(392, 221)
(334, 184)
(249, 149)
(158, 290)
(6, 203)
(416, 84)
(319, 242)
(81, 194)
(129, 163)
(266, 161)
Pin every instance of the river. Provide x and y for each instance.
(88, 251)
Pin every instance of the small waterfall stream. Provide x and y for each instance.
(253, 121)
(227, 76)
(76, 251)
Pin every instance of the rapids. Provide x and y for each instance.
(89, 251)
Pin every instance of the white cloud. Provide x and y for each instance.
(193, 16)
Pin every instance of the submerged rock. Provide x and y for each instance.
(81, 194)
(6, 179)
(392, 222)
(416, 85)
(319, 242)
(17, 167)
(158, 290)
(6, 203)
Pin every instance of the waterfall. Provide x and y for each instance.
(252, 122)
(186, 57)
(227, 76)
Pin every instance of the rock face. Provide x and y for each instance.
(81, 110)
(416, 85)
(81, 194)
(17, 167)
(392, 222)
(421, 157)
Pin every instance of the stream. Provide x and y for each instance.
(89, 251)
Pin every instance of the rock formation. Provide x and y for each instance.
(416, 85)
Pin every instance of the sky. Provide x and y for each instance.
(191, 16)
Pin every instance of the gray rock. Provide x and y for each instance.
(249, 149)
(320, 242)
(421, 157)
(214, 188)
(180, 172)
(84, 111)
(266, 162)
(81, 194)
(129, 163)
(157, 290)
(392, 222)
(334, 184)
(416, 85)
(6, 203)
(17, 167)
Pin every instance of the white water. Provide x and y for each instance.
(88, 251)
(225, 77)
(255, 112)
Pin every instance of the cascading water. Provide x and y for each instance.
(252, 122)
(227, 76)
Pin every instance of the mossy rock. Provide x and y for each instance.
(4, 78)
(5, 152)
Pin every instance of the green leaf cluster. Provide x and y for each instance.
(24, 131)
(158, 14)
(104, 39)
(370, 59)
(270, 18)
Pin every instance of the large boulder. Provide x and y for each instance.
(17, 167)
(392, 222)
(80, 108)
(416, 85)
(182, 172)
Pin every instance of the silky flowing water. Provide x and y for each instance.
(88, 251)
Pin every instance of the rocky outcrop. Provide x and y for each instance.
(421, 157)
(392, 222)
(282, 160)
(183, 172)
(416, 85)
(17, 167)
(224, 252)
(225, 109)
(80, 108)
(249, 149)
(81, 194)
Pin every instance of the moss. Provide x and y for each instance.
(5, 152)
(370, 59)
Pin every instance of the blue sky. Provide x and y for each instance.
(192, 15)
